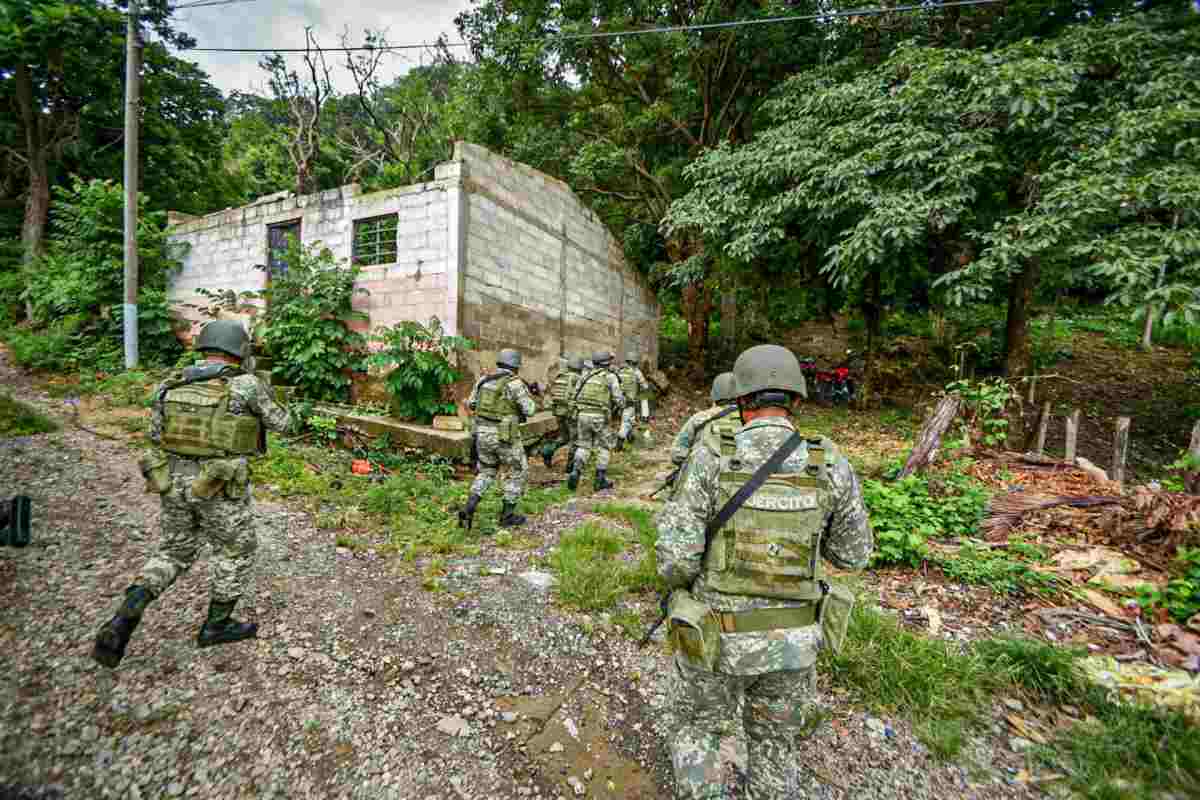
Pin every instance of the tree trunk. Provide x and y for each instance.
(1191, 478)
(37, 201)
(926, 447)
(697, 305)
(729, 319)
(1018, 357)
(873, 312)
(304, 178)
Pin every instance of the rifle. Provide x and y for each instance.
(664, 604)
(670, 481)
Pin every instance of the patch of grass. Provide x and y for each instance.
(945, 738)
(349, 542)
(644, 576)
(1049, 672)
(997, 570)
(630, 623)
(590, 578)
(18, 419)
(1127, 753)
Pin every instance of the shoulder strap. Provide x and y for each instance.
(583, 383)
(725, 412)
(492, 379)
(760, 475)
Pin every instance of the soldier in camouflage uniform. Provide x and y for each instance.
(749, 610)
(207, 421)
(633, 385)
(561, 393)
(500, 402)
(722, 409)
(596, 397)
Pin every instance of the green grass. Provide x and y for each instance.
(18, 419)
(1122, 752)
(589, 577)
(997, 570)
(644, 576)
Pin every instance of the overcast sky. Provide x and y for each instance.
(281, 23)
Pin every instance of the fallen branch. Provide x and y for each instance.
(929, 440)
(1005, 511)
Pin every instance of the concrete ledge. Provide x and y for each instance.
(454, 445)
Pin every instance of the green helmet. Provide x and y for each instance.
(724, 388)
(631, 357)
(575, 364)
(225, 335)
(509, 358)
(768, 367)
(602, 358)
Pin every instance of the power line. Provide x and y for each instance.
(857, 12)
(205, 3)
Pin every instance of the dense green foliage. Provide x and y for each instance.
(906, 514)
(1181, 596)
(18, 419)
(304, 322)
(419, 358)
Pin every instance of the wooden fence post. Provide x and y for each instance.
(1120, 448)
(1191, 478)
(1042, 426)
(1072, 435)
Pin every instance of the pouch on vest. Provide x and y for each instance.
(508, 431)
(835, 611)
(197, 422)
(695, 630)
(156, 469)
(237, 487)
(214, 474)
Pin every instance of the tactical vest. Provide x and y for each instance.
(561, 392)
(494, 404)
(592, 394)
(771, 547)
(197, 422)
(629, 384)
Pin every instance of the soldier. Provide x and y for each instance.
(743, 533)
(596, 397)
(561, 393)
(633, 385)
(207, 420)
(500, 402)
(722, 408)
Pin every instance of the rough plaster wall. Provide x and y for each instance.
(226, 246)
(541, 273)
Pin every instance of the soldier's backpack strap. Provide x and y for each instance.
(725, 412)
(192, 375)
(769, 467)
(584, 382)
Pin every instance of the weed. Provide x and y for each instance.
(944, 737)
(589, 577)
(18, 419)
(349, 542)
(1048, 671)
(1181, 596)
(644, 575)
(629, 622)
(994, 569)
(906, 513)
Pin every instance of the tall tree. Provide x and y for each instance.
(306, 97)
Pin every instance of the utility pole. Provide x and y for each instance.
(133, 72)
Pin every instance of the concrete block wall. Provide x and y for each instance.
(540, 272)
(225, 247)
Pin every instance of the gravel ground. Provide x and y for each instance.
(362, 684)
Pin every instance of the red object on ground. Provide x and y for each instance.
(360, 467)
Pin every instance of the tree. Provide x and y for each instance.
(56, 60)
(306, 99)
(1011, 152)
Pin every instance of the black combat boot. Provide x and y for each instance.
(220, 628)
(570, 465)
(509, 518)
(114, 636)
(602, 482)
(548, 454)
(573, 478)
(466, 515)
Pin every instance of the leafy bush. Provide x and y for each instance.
(1181, 596)
(303, 325)
(985, 567)
(419, 357)
(905, 514)
(985, 401)
(18, 419)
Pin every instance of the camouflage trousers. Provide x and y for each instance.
(628, 417)
(566, 432)
(494, 454)
(593, 433)
(779, 710)
(189, 522)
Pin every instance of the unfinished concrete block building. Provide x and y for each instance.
(496, 250)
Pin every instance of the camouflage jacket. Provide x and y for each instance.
(607, 376)
(516, 391)
(687, 434)
(847, 542)
(248, 395)
(643, 386)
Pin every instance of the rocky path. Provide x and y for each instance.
(362, 684)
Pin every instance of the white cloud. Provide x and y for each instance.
(281, 23)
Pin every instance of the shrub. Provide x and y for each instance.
(419, 357)
(1181, 596)
(304, 322)
(906, 513)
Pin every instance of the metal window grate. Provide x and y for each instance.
(375, 240)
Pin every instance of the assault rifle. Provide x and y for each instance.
(664, 605)
(670, 481)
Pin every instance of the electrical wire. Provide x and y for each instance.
(206, 3)
(857, 12)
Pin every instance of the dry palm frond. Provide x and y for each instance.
(1005, 511)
